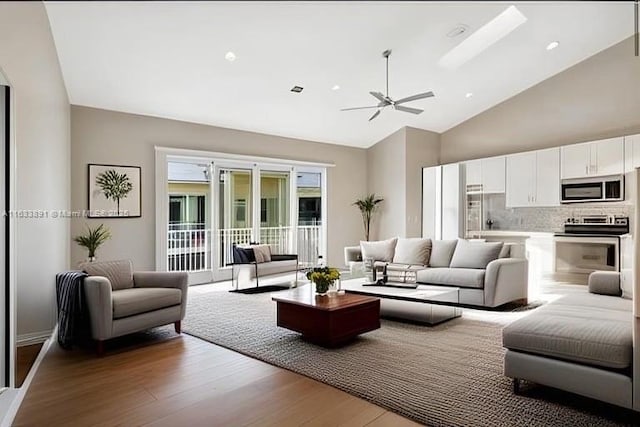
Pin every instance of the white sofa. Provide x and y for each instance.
(482, 281)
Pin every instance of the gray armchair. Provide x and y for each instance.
(121, 301)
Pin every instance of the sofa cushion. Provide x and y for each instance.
(459, 277)
(584, 328)
(441, 252)
(415, 251)
(119, 273)
(129, 302)
(605, 283)
(475, 254)
(382, 250)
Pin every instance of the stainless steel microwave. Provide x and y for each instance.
(596, 189)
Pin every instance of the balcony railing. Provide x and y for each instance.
(190, 244)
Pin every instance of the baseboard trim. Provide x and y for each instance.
(33, 338)
(10, 416)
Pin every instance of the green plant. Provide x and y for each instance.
(323, 277)
(368, 206)
(93, 238)
(114, 185)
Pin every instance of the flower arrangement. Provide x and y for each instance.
(323, 277)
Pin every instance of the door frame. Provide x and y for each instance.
(256, 163)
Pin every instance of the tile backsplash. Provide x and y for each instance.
(542, 219)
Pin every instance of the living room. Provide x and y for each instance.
(138, 86)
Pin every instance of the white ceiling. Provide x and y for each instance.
(167, 60)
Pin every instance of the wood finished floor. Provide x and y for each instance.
(169, 380)
(25, 356)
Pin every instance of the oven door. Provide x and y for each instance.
(582, 192)
(586, 254)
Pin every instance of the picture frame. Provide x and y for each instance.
(114, 191)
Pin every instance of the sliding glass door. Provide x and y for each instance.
(275, 211)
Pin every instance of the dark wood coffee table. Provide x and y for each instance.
(328, 321)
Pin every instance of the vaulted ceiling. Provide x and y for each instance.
(168, 60)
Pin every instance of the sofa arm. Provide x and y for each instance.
(506, 280)
(164, 279)
(352, 254)
(97, 291)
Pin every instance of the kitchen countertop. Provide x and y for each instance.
(511, 233)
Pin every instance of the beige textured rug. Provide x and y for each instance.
(447, 375)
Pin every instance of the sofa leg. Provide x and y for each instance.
(99, 348)
(178, 326)
(516, 386)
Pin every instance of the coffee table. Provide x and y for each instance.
(424, 303)
(328, 321)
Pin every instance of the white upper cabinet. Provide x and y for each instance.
(533, 179)
(576, 160)
(521, 175)
(598, 158)
(547, 178)
(609, 156)
(473, 170)
(493, 175)
(632, 146)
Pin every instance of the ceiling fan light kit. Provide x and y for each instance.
(386, 101)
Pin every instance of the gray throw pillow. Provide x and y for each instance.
(441, 252)
(475, 254)
(262, 253)
(380, 251)
(415, 251)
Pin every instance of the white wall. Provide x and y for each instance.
(29, 61)
(101, 136)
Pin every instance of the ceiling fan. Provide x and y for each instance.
(386, 101)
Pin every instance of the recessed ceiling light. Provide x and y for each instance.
(335, 87)
(553, 45)
(490, 33)
(230, 56)
(297, 89)
(468, 95)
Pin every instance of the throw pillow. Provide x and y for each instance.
(475, 254)
(441, 252)
(415, 251)
(605, 283)
(119, 273)
(380, 251)
(262, 253)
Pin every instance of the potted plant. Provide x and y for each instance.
(93, 239)
(323, 277)
(367, 206)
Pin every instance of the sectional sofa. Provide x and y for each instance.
(486, 273)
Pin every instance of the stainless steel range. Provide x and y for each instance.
(590, 243)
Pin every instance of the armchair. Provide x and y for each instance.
(120, 301)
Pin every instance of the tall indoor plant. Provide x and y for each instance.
(93, 239)
(368, 206)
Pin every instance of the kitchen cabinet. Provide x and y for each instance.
(533, 179)
(493, 175)
(598, 158)
(632, 147)
(473, 170)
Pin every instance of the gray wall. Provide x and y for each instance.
(41, 109)
(597, 98)
(394, 168)
(385, 170)
(100, 136)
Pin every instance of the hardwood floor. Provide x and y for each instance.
(161, 379)
(25, 356)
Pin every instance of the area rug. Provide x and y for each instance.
(447, 375)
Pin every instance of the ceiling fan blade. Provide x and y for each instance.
(415, 97)
(357, 108)
(380, 97)
(376, 114)
(408, 109)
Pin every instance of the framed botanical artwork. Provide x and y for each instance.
(114, 191)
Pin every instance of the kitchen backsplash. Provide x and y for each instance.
(542, 219)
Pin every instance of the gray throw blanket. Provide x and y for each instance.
(73, 321)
